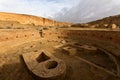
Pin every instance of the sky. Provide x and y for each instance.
(77, 11)
(45, 8)
(90, 10)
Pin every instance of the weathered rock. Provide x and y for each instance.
(114, 26)
(89, 49)
(105, 25)
(93, 26)
(63, 41)
(70, 51)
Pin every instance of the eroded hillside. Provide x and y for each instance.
(108, 22)
(29, 19)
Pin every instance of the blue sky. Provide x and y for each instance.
(45, 8)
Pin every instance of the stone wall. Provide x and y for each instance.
(112, 36)
(10, 35)
(108, 36)
(108, 40)
(12, 38)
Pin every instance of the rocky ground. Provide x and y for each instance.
(79, 64)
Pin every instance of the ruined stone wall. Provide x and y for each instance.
(12, 38)
(108, 40)
(111, 36)
(11, 35)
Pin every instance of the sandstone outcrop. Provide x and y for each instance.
(29, 19)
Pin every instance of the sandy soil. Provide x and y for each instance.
(12, 66)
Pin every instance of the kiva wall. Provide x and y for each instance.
(9, 34)
(112, 36)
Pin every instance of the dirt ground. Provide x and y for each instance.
(12, 66)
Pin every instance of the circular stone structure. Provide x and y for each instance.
(44, 66)
(51, 69)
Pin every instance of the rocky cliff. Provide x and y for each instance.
(29, 19)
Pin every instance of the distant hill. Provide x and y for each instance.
(29, 19)
(108, 20)
(102, 23)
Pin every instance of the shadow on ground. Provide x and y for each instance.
(15, 71)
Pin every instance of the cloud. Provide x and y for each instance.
(45, 8)
(89, 10)
(63, 10)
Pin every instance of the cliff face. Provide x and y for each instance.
(15, 25)
(29, 19)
